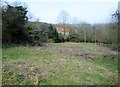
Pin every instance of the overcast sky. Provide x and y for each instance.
(90, 11)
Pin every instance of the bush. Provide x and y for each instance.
(73, 38)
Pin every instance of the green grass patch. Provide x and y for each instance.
(48, 66)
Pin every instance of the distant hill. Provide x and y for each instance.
(39, 25)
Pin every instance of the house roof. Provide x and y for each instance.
(61, 29)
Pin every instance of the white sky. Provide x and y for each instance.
(91, 11)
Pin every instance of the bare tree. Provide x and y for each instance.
(63, 18)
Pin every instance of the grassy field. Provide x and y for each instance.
(59, 64)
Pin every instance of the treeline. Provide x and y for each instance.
(104, 34)
(42, 32)
(17, 29)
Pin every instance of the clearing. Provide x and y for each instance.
(59, 64)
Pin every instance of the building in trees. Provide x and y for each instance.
(63, 30)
